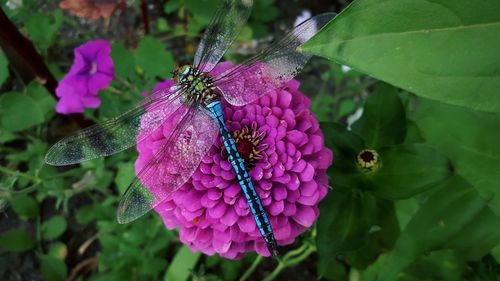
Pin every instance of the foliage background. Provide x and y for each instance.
(430, 212)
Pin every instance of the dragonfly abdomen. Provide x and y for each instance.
(253, 199)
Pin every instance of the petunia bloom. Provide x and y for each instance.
(92, 70)
(283, 148)
(92, 9)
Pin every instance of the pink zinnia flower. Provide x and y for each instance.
(284, 151)
(92, 70)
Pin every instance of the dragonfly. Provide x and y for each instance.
(197, 98)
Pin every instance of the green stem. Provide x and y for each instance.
(275, 272)
(251, 269)
(172, 36)
(19, 174)
(115, 91)
(27, 189)
(123, 82)
(291, 259)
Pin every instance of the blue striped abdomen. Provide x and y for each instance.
(244, 180)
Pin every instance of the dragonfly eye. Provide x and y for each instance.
(180, 73)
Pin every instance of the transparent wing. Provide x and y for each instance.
(173, 164)
(278, 64)
(230, 17)
(116, 134)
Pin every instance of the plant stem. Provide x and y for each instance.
(251, 269)
(145, 17)
(19, 174)
(291, 259)
(275, 272)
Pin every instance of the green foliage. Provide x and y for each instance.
(384, 119)
(16, 240)
(437, 225)
(54, 227)
(4, 70)
(25, 206)
(476, 156)
(53, 268)
(443, 50)
(42, 28)
(13, 117)
(182, 265)
(149, 53)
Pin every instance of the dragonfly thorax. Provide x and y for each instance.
(198, 86)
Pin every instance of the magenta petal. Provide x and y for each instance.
(105, 63)
(305, 216)
(99, 81)
(276, 208)
(230, 217)
(283, 232)
(307, 174)
(218, 210)
(91, 101)
(221, 245)
(69, 105)
(279, 193)
(289, 209)
(309, 200)
(247, 224)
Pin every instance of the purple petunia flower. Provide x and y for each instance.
(284, 152)
(92, 70)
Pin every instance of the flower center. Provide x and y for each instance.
(248, 143)
(368, 160)
(93, 68)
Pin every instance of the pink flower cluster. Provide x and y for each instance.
(287, 160)
(92, 70)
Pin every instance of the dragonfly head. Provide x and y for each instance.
(182, 73)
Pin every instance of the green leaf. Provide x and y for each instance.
(172, 5)
(58, 250)
(16, 240)
(381, 237)
(182, 265)
(409, 169)
(405, 209)
(153, 58)
(25, 206)
(202, 10)
(42, 28)
(124, 61)
(19, 112)
(344, 223)
(453, 217)
(470, 139)
(124, 176)
(231, 269)
(4, 70)
(44, 100)
(384, 120)
(54, 227)
(443, 50)
(496, 253)
(52, 268)
(438, 265)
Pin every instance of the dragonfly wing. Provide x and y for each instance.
(246, 82)
(230, 17)
(116, 134)
(173, 164)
